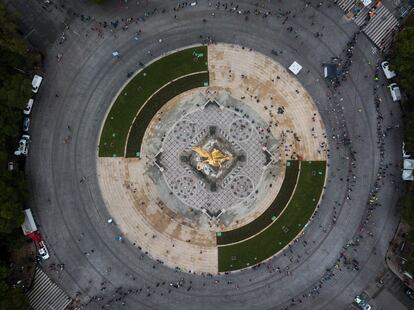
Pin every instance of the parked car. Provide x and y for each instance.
(23, 146)
(387, 72)
(44, 253)
(26, 124)
(37, 80)
(28, 107)
(395, 92)
(409, 292)
(362, 303)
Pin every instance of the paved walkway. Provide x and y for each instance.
(146, 217)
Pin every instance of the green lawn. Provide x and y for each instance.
(282, 198)
(155, 103)
(139, 89)
(285, 228)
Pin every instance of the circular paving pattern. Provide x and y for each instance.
(241, 186)
(184, 131)
(185, 187)
(240, 129)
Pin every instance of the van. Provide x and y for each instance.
(395, 92)
(37, 80)
(387, 72)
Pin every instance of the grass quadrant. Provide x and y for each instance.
(285, 228)
(139, 89)
(155, 103)
(282, 198)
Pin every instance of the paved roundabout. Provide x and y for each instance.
(287, 205)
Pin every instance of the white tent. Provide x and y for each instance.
(407, 175)
(409, 164)
(295, 68)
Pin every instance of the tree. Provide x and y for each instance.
(409, 265)
(403, 57)
(12, 193)
(10, 298)
(8, 39)
(15, 91)
(407, 211)
(10, 122)
(410, 237)
(409, 129)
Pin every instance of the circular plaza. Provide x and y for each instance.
(184, 166)
(214, 182)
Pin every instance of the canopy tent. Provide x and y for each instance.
(295, 68)
(330, 71)
(407, 175)
(409, 164)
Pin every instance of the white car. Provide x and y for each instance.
(28, 107)
(395, 92)
(364, 305)
(23, 146)
(387, 72)
(44, 253)
(37, 80)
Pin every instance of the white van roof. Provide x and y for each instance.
(387, 72)
(37, 80)
(29, 224)
(395, 91)
(396, 94)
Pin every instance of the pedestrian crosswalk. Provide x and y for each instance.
(45, 294)
(345, 5)
(361, 18)
(360, 14)
(379, 28)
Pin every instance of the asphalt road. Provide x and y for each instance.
(72, 214)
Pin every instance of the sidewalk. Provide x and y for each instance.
(395, 257)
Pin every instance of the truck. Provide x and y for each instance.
(29, 225)
(30, 230)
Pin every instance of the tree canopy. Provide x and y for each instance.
(10, 298)
(407, 210)
(15, 90)
(403, 56)
(16, 63)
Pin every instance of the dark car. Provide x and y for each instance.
(26, 124)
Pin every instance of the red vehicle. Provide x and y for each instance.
(30, 229)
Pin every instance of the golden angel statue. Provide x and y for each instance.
(215, 159)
